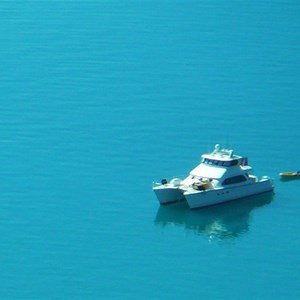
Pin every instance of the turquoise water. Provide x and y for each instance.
(101, 98)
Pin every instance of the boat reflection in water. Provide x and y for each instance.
(224, 221)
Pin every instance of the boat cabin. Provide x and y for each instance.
(223, 158)
(221, 165)
(242, 161)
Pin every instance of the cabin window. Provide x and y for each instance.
(234, 179)
(234, 162)
(215, 162)
(220, 162)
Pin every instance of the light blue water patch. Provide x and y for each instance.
(99, 99)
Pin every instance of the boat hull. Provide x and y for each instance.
(198, 199)
(168, 194)
(289, 175)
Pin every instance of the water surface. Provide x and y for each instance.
(99, 99)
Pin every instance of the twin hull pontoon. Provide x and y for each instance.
(220, 177)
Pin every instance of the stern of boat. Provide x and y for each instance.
(168, 192)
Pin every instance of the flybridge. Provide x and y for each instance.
(242, 161)
(223, 158)
(222, 152)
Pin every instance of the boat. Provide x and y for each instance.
(221, 176)
(290, 175)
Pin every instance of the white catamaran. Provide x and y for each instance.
(221, 176)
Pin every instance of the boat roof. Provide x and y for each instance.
(217, 172)
(221, 154)
(219, 162)
(208, 171)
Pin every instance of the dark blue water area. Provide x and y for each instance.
(100, 99)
